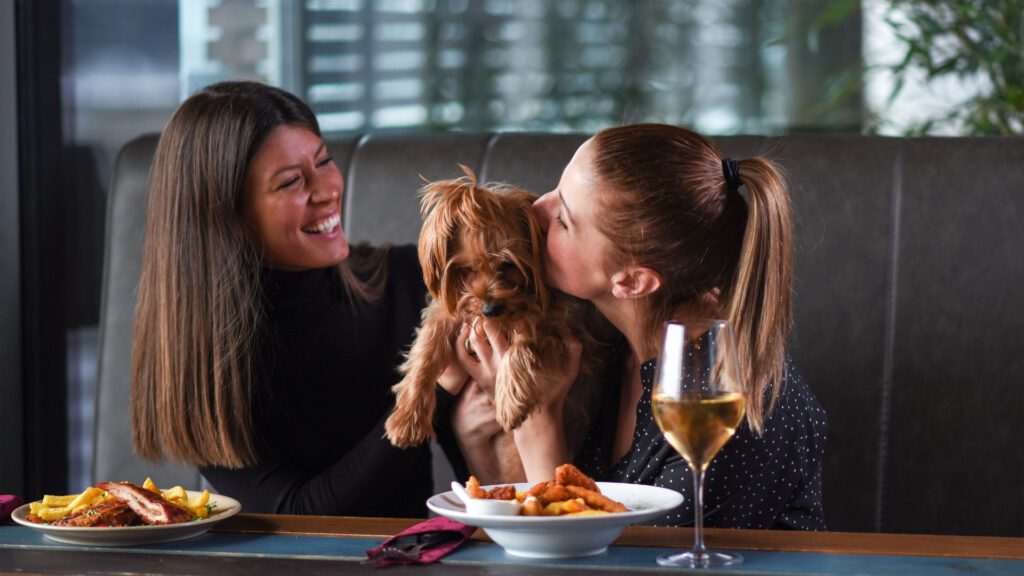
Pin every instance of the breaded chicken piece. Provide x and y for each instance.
(569, 475)
(548, 492)
(596, 500)
(496, 493)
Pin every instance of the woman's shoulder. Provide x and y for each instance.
(796, 398)
(396, 263)
(403, 285)
(404, 260)
(404, 273)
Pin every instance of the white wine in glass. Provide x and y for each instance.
(698, 403)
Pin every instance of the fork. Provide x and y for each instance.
(402, 552)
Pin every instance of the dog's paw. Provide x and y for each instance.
(400, 432)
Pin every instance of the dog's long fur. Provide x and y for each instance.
(480, 249)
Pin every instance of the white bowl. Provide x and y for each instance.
(563, 536)
(486, 507)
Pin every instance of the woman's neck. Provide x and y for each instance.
(630, 317)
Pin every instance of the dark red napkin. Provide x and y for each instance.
(8, 503)
(461, 533)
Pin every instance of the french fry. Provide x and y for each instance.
(58, 501)
(55, 507)
(563, 507)
(86, 498)
(179, 496)
(197, 505)
(51, 514)
(176, 495)
(150, 485)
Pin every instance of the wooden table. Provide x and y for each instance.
(253, 545)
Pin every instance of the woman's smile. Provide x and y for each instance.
(326, 226)
(293, 199)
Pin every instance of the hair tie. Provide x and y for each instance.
(731, 170)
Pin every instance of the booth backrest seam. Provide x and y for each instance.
(890, 338)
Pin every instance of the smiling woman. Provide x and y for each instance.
(293, 197)
(264, 351)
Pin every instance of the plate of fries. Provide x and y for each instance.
(206, 510)
(564, 536)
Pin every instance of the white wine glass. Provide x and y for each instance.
(698, 403)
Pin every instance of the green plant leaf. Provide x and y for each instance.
(973, 39)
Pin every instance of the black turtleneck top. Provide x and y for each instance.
(323, 391)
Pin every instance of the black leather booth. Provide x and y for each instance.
(909, 304)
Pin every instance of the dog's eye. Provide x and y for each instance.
(511, 273)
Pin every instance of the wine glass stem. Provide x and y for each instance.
(698, 514)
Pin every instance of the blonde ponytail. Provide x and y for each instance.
(759, 303)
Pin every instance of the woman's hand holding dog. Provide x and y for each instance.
(473, 418)
(490, 345)
(541, 438)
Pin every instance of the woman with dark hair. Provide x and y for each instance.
(648, 222)
(264, 351)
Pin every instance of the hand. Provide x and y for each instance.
(473, 418)
(489, 346)
(453, 379)
(476, 429)
(455, 376)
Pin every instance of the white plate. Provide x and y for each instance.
(563, 536)
(224, 508)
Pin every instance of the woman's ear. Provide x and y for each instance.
(635, 282)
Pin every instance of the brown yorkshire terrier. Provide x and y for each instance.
(480, 252)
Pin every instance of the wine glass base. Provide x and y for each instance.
(706, 559)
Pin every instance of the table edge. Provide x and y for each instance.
(886, 544)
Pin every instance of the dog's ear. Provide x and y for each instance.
(436, 233)
(450, 287)
(441, 203)
(531, 227)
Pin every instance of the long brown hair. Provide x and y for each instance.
(199, 312)
(670, 208)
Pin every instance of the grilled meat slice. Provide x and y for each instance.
(110, 513)
(152, 508)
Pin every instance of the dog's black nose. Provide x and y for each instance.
(492, 310)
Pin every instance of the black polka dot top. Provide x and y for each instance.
(767, 481)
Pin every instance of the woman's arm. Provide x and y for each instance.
(373, 478)
(477, 430)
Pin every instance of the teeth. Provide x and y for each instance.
(325, 226)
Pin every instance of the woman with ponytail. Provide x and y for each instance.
(649, 222)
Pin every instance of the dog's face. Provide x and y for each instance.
(480, 251)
